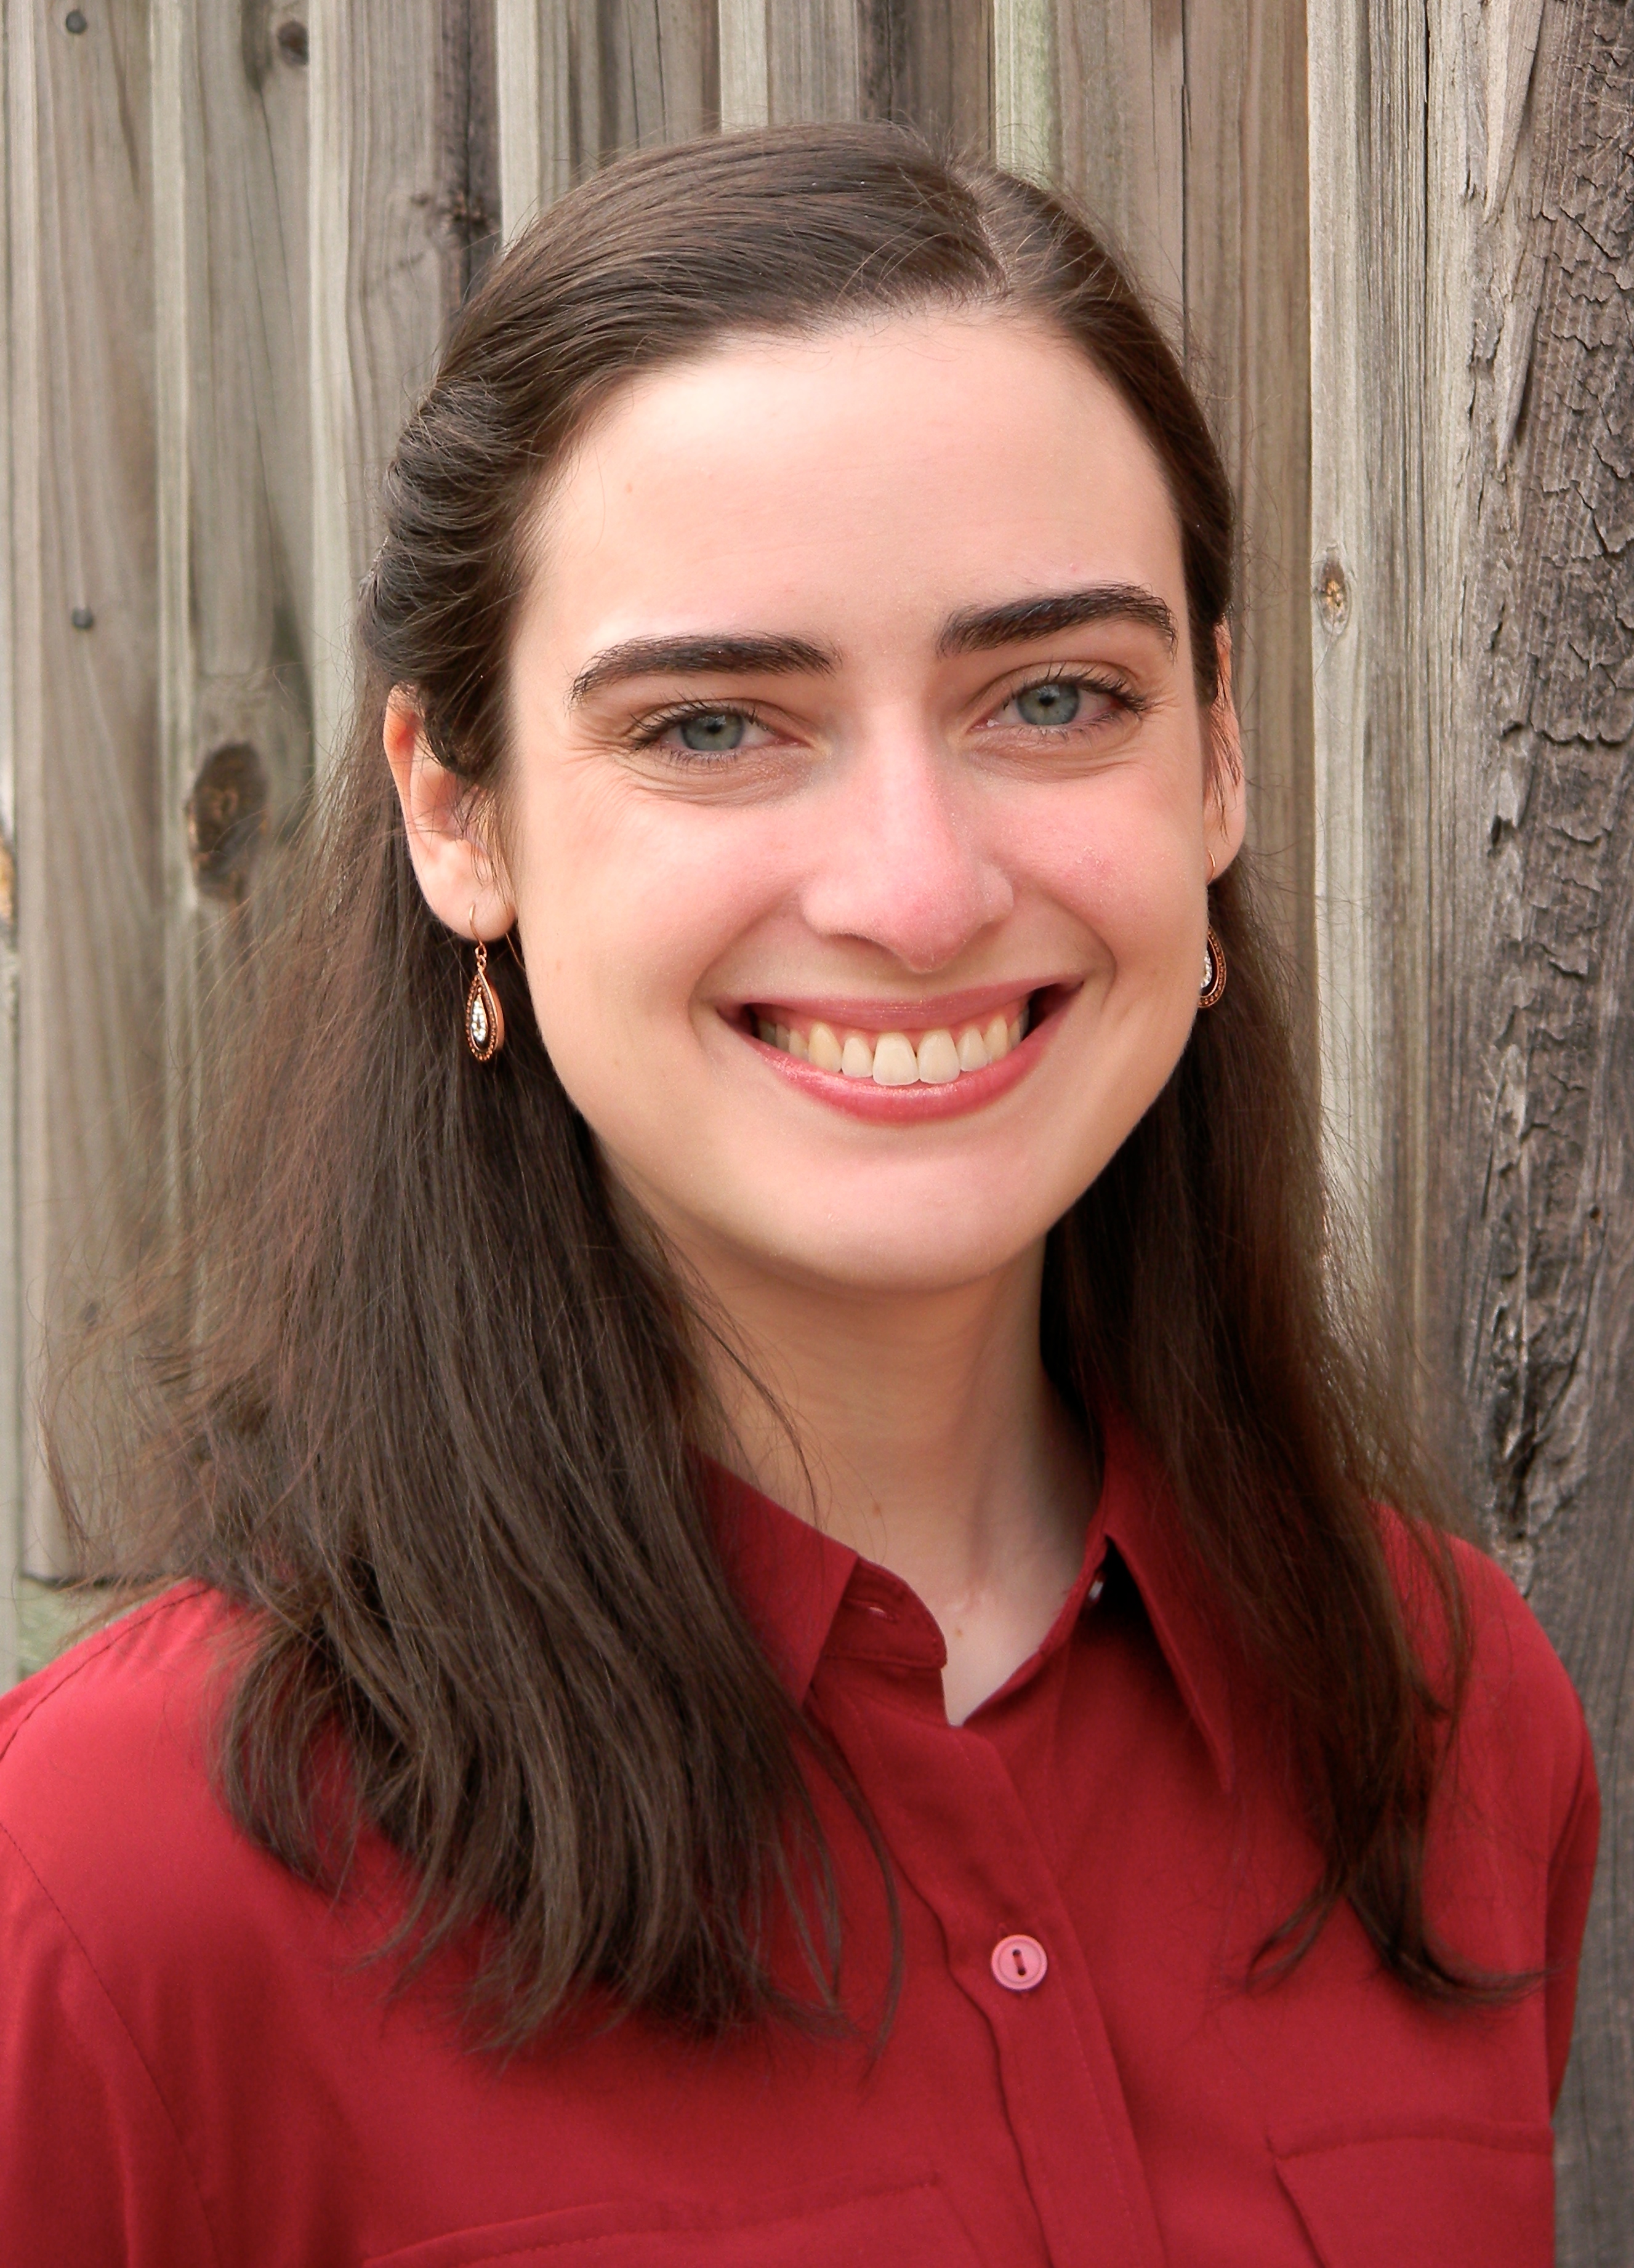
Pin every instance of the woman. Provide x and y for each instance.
(789, 1651)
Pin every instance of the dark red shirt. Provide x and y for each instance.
(196, 2065)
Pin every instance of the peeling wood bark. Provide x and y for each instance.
(1533, 1055)
(1473, 334)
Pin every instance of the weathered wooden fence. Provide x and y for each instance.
(1403, 265)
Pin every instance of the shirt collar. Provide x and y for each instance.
(806, 1595)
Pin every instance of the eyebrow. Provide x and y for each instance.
(975, 630)
(979, 629)
(702, 657)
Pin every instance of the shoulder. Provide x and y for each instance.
(110, 1818)
(1519, 1770)
(118, 1721)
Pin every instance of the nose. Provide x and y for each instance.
(899, 857)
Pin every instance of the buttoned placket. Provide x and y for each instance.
(966, 1844)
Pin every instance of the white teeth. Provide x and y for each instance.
(938, 1064)
(894, 1062)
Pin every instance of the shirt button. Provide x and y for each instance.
(1019, 1962)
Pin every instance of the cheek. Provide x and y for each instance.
(625, 902)
(1130, 869)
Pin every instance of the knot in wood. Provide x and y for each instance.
(1333, 593)
(226, 820)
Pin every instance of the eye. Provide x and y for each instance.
(711, 731)
(701, 728)
(1056, 701)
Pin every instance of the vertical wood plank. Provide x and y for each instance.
(229, 135)
(1247, 318)
(378, 253)
(929, 63)
(1121, 71)
(18, 400)
(1028, 100)
(813, 60)
(745, 70)
(580, 80)
(1530, 1172)
(1358, 635)
(90, 1003)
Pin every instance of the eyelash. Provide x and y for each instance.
(651, 730)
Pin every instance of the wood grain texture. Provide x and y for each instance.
(1472, 176)
(1030, 106)
(929, 63)
(1532, 1164)
(383, 265)
(1121, 70)
(228, 120)
(813, 60)
(1182, 128)
(641, 71)
(89, 898)
(1372, 650)
(18, 398)
(1247, 262)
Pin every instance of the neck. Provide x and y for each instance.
(925, 1434)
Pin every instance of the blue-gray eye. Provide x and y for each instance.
(1057, 703)
(712, 732)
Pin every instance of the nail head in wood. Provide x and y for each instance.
(292, 40)
(75, 20)
(81, 618)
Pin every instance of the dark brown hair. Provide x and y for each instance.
(434, 1416)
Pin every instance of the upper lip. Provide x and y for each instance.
(928, 1014)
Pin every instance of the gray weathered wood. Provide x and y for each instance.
(19, 208)
(380, 250)
(228, 136)
(580, 80)
(89, 1009)
(1180, 129)
(1531, 1165)
(929, 63)
(1247, 255)
(1472, 211)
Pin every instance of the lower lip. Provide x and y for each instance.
(910, 1106)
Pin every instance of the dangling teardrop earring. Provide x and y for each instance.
(484, 1018)
(1213, 970)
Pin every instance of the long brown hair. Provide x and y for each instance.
(432, 1413)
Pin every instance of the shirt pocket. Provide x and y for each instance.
(908, 2227)
(1469, 2192)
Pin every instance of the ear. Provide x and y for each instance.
(1227, 815)
(463, 880)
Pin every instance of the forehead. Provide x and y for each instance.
(865, 482)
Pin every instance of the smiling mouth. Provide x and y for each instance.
(905, 1054)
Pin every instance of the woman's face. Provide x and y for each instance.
(861, 807)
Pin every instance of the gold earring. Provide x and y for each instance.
(484, 1018)
(1213, 970)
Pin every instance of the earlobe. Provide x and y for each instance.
(455, 870)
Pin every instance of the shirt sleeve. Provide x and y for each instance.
(1571, 1880)
(91, 2166)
